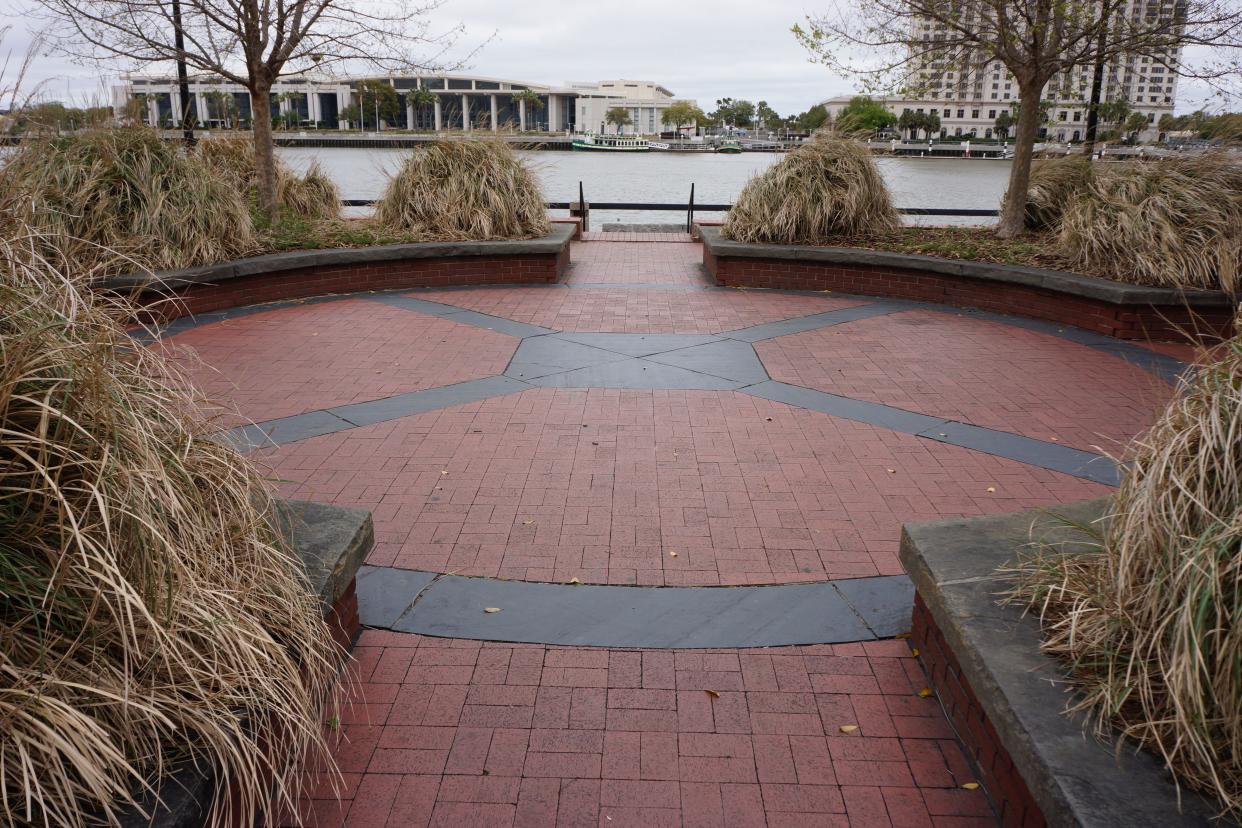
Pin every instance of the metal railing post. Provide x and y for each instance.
(690, 211)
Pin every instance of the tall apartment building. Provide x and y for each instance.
(968, 92)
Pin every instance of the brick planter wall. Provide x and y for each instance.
(304, 273)
(1005, 786)
(1124, 321)
(303, 282)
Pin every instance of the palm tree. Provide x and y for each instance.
(527, 100)
(420, 99)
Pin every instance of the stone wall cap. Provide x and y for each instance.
(331, 542)
(552, 244)
(1075, 778)
(1075, 284)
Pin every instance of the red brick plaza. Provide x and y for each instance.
(660, 462)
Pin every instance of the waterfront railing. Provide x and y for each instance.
(582, 208)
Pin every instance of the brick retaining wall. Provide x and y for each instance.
(1004, 784)
(305, 273)
(1124, 321)
(303, 282)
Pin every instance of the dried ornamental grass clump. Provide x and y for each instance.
(466, 190)
(121, 200)
(312, 195)
(1166, 223)
(148, 607)
(1150, 620)
(1054, 182)
(826, 190)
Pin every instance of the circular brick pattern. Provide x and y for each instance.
(304, 357)
(606, 485)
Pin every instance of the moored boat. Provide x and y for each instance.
(729, 146)
(611, 143)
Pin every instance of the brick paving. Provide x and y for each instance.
(963, 368)
(634, 236)
(627, 310)
(454, 733)
(300, 358)
(602, 485)
(636, 262)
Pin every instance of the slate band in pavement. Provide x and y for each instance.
(451, 606)
(1052, 456)
(291, 429)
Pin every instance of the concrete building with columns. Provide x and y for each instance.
(462, 102)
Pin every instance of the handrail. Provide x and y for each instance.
(695, 207)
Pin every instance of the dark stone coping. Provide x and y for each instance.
(1074, 778)
(331, 542)
(600, 615)
(1075, 284)
(551, 244)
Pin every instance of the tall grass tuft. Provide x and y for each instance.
(1150, 621)
(465, 190)
(1174, 223)
(147, 604)
(1054, 183)
(826, 190)
(312, 195)
(121, 200)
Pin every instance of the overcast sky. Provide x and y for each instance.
(702, 49)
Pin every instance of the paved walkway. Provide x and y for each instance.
(542, 451)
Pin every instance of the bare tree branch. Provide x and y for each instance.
(910, 46)
(255, 42)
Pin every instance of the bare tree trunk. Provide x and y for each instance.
(1013, 212)
(264, 156)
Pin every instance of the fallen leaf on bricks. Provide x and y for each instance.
(712, 693)
(971, 786)
(491, 609)
(574, 581)
(847, 728)
(925, 692)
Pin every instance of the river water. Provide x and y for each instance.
(975, 184)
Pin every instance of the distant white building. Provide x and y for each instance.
(462, 102)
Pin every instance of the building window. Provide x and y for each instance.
(992, 114)
(1077, 117)
(974, 114)
(961, 113)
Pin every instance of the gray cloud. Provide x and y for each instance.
(702, 49)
